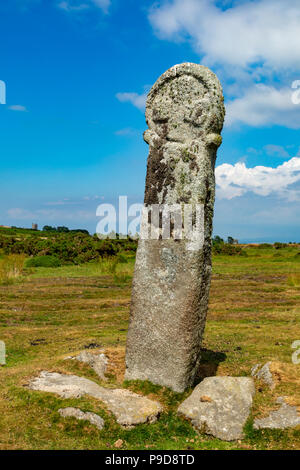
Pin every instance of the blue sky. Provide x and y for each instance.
(77, 73)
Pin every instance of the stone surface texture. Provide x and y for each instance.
(286, 417)
(264, 374)
(98, 362)
(81, 415)
(185, 114)
(220, 406)
(128, 407)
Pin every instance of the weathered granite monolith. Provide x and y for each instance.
(185, 114)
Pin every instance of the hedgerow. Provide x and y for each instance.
(74, 248)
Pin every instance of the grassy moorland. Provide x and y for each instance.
(47, 314)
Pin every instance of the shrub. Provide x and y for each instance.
(227, 249)
(279, 245)
(43, 261)
(72, 247)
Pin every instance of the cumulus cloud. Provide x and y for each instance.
(139, 101)
(17, 107)
(265, 31)
(246, 42)
(282, 181)
(264, 105)
(261, 105)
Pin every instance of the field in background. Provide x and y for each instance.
(47, 314)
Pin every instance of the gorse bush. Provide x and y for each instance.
(43, 261)
(72, 247)
(279, 245)
(228, 249)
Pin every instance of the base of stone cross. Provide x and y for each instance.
(220, 406)
(129, 408)
(168, 313)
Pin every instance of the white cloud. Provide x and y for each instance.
(261, 105)
(265, 31)
(276, 151)
(246, 42)
(17, 107)
(137, 100)
(264, 105)
(73, 5)
(236, 180)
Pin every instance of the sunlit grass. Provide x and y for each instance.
(52, 313)
(11, 268)
(294, 280)
(103, 267)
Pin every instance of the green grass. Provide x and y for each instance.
(50, 313)
(92, 269)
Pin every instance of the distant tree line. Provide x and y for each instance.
(48, 228)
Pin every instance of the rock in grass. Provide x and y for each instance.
(264, 374)
(286, 417)
(128, 407)
(225, 409)
(98, 362)
(81, 415)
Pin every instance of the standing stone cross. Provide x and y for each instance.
(185, 114)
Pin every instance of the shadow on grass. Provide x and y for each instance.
(209, 364)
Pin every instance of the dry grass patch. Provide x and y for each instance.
(116, 364)
(11, 268)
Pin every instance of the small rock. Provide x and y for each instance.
(286, 417)
(128, 407)
(37, 342)
(264, 374)
(98, 362)
(92, 346)
(118, 444)
(78, 414)
(225, 415)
